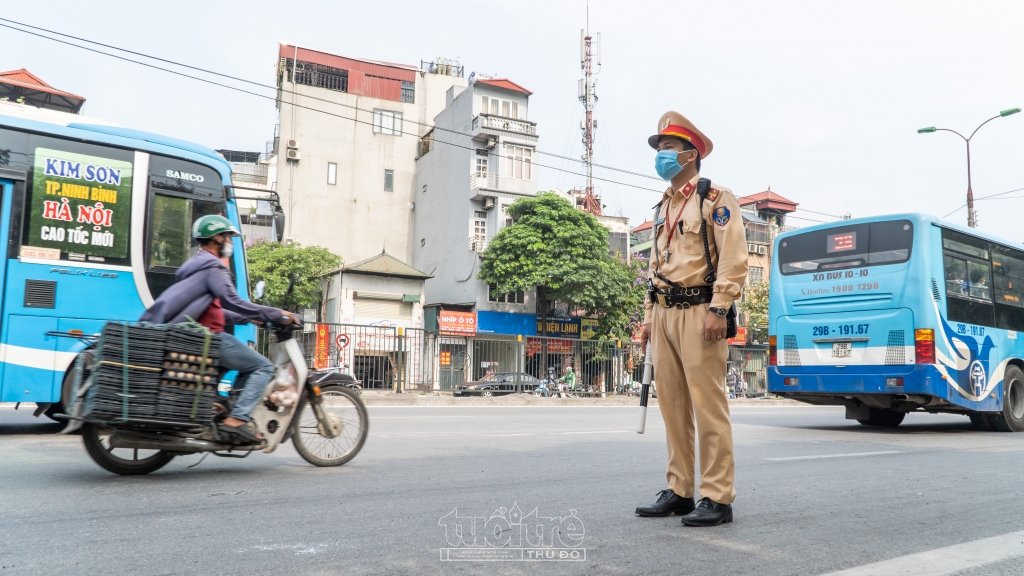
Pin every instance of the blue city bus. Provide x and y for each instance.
(895, 314)
(95, 219)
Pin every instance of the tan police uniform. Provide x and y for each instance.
(690, 371)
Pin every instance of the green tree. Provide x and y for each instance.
(560, 251)
(619, 322)
(755, 306)
(273, 262)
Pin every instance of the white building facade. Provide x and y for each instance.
(479, 158)
(349, 139)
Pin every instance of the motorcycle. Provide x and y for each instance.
(327, 423)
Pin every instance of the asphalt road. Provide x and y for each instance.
(816, 494)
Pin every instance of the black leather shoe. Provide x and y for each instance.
(709, 513)
(668, 503)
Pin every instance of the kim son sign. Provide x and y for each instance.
(457, 323)
(81, 205)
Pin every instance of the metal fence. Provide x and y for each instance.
(392, 358)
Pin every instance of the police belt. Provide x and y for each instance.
(681, 297)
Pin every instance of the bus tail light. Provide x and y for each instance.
(924, 345)
(790, 381)
(773, 352)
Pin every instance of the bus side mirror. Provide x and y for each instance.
(257, 292)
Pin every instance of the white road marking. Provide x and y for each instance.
(946, 560)
(848, 455)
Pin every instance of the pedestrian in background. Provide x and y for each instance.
(698, 266)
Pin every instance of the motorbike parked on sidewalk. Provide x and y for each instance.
(328, 423)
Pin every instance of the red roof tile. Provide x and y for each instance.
(26, 79)
(768, 200)
(506, 84)
(645, 226)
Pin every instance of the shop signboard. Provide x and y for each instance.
(741, 337)
(588, 328)
(456, 323)
(555, 346)
(560, 328)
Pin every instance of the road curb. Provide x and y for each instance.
(420, 399)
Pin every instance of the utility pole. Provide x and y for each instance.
(589, 45)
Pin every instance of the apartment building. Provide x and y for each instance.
(349, 137)
(478, 159)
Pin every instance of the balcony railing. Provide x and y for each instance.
(502, 123)
(251, 173)
(484, 180)
(479, 242)
(759, 233)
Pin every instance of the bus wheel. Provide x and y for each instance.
(1011, 419)
(883, 418)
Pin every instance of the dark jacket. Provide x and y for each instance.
(200, 280)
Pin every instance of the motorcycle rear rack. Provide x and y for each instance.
(136, 422)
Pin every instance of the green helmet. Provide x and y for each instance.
(212, 224)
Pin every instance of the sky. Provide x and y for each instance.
(821, 101)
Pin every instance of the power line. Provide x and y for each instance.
(261, 85)
(258, 95)
(983, 198)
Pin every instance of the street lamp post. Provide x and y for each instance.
(970, 193)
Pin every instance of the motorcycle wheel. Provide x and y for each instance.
(344, 407)
(97, 444)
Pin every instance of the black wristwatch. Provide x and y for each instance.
(720, 312)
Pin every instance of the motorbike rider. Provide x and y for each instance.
(203, 291)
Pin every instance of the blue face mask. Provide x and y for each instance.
(667, 164)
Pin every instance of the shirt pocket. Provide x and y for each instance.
(692, 241)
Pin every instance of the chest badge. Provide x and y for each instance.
(721, 215)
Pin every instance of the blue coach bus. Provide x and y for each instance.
(895, 314)
(95, 219)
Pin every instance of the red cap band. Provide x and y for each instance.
(680, 132)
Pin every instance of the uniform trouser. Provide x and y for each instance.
(690, 376)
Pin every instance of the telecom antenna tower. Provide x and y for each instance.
(589, 48)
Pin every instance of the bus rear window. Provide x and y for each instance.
(854, 246)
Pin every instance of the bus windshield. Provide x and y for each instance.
(857, 245)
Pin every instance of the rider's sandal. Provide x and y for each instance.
(245, 432)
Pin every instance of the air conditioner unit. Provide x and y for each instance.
(751, 248)
(763, 250)
(293, 144)
(489, 203)
(287, 241)
(293, 154)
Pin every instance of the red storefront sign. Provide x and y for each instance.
(457, 323)
(555, 346)
(741, 336)
(321, 353)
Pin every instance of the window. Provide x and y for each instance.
(480, 223)
(389, 180)
(332, 173)
(755, 275)
(481, 163)
(387, 122)
(968, 277)
(408, 91)
(508, 217)
(856, 246)
(515, 110)
(520, 162)
(518, 297)
(506, 108)
(494, 106)
(483, 105)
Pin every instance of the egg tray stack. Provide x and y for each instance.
(143, 362)
(182, 380)
(181, 375)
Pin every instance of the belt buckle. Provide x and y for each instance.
(662, 300)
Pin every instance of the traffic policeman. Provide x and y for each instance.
(698, 267)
